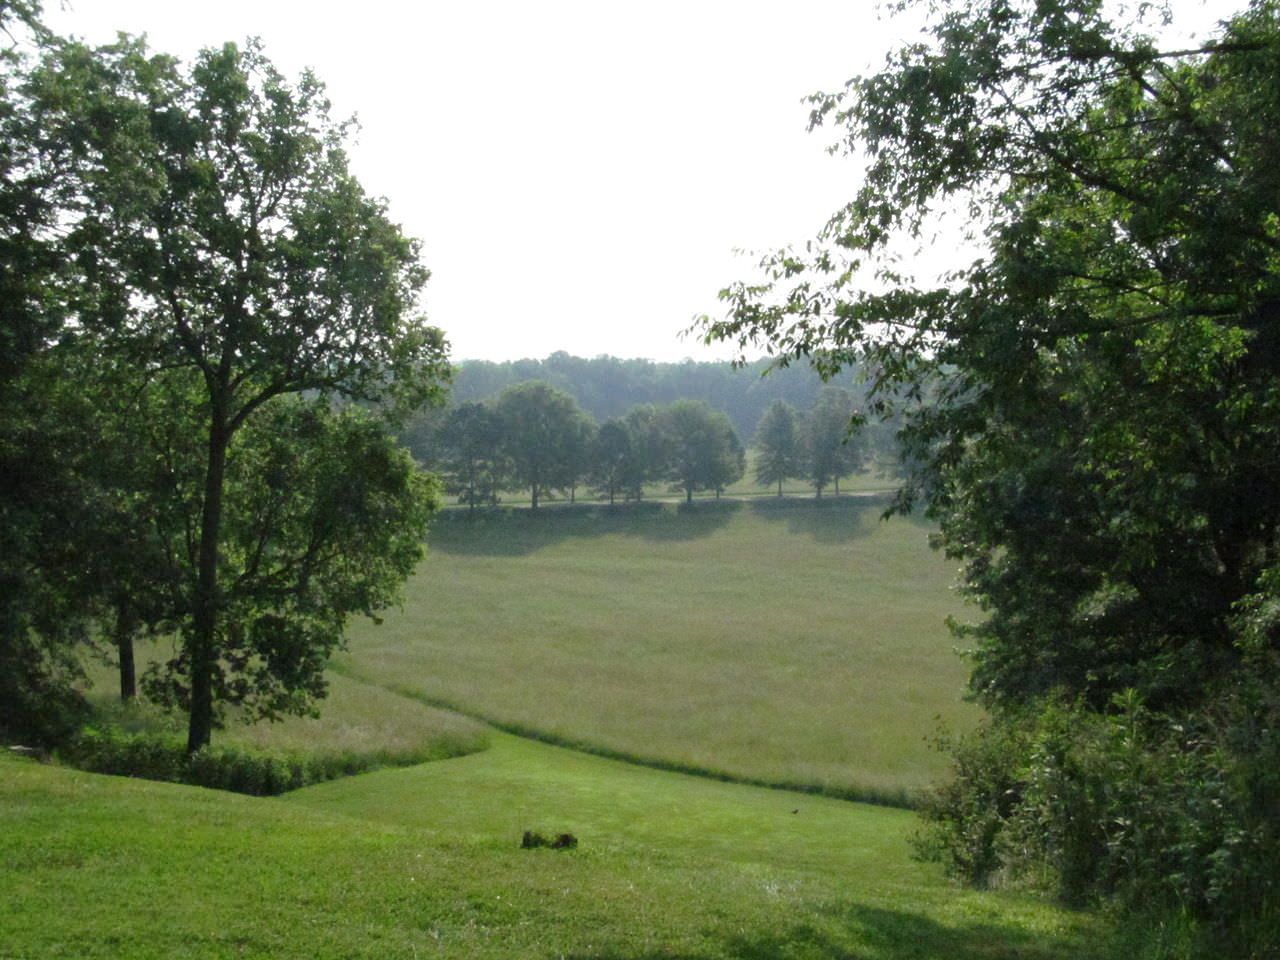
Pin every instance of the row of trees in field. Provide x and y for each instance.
(208, 332)
(535, 437)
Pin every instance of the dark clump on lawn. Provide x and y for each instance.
(563, 841)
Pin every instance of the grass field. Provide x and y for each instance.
(424, 862)
(793, 640)
(784, 641)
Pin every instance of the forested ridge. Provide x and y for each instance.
(607, 387)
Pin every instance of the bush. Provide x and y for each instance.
(38, 703)
(1173, 820)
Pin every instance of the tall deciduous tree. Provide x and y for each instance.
(1101, 378)
(704, 451)
(40, 619)
(779, 450)
(832, 449)
(543, 431)
(611, 454)
(650, 450)
(214, 228)
(469, 443)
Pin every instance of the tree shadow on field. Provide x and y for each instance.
(826, 519)
(859, 932)
(518, 531)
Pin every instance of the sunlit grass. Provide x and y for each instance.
(425, 862)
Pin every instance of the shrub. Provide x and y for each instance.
(38, 704)
(1173, 820)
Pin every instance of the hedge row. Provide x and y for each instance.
(158, 757)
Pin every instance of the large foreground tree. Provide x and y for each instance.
(1102, 380)
(214, 234)
(1101, 438)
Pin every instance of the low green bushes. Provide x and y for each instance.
(155, 756)
(1173, 819)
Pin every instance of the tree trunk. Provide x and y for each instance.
(779, 486)
(688, 494)
(533, 495)
(124, 648)
(202, 643)
(837, 486)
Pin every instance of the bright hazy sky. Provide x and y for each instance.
(580, 173)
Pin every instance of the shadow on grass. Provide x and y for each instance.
(859, 932)
(831, 519)
(518, 531)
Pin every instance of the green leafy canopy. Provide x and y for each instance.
(1091, 404)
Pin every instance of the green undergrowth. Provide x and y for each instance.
(425, 861)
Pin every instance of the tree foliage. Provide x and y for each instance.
(470, 454)
(40, 509)
(831, 447)
(705, 453)
(779, 450)
(1101, 379)
(1100, 430)
(608, 387)
(611, 458)
(544, 437)
(212, 239)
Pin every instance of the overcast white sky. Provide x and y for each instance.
(580, 173)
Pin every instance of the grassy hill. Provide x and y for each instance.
(425, 862)
(784, 641)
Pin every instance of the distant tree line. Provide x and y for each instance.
(535, 437)
(607, 387)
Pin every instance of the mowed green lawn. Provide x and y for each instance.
(425, 862)
(788, 641)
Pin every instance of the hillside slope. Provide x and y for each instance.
(425, 862)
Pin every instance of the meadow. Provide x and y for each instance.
(792, 641)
